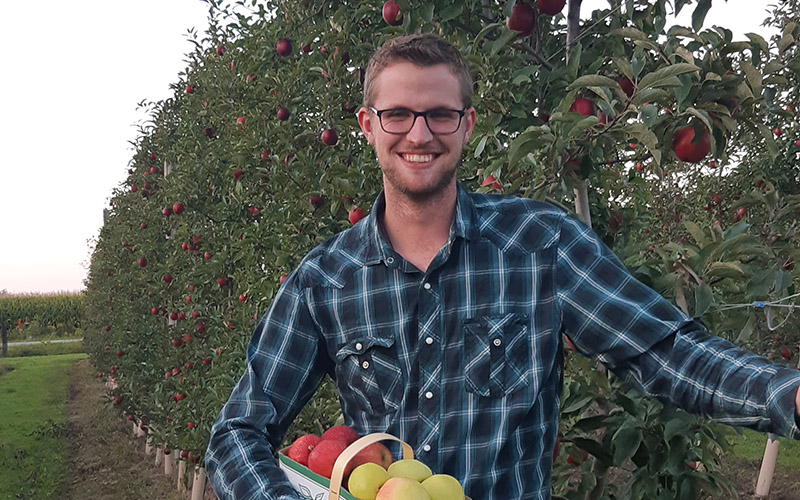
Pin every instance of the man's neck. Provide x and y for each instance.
(418, 229)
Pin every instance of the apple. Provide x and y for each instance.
(283, 114)
(324, 455)
(491, 181)
(797, 143)
(152, 156)
(173, 316)
(251, 77)
(282, 278)
(154, 311)
(742, 211)
(583, 106)
(180, 397)
(177, 342)
(167, 278)
(390, 13)
(134, 188)
(120, 353)
(222, 282)
(306, 48)
(343, 433)
(410, 468)
(355, 215)
(220, 50)
(200, 327)
(237, 173)
(242, 298)
(118, 400)
(639, 167)
(365, 481)
(265, 154)
(316, 201)
(689, 150)
(402, 488)
(329, 137)
(142, 262)
(143, 225)
(166, 212)
(189, 89)
(301, 447)
(522, 19)
(376, 453)
(240, 121)
(195, 314)
(443, 487)
(627, 85)
(777, 131)
(181, 316)
(288, 159)
(284, 47)
(550, 7)
(786, 353)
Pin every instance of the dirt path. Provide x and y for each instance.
(105, 460)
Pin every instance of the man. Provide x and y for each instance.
(440, 315)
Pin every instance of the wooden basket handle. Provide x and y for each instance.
(359, 444)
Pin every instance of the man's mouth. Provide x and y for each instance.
(417, 158)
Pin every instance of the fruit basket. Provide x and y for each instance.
(313, 486)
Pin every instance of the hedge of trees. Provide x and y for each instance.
(186, 263)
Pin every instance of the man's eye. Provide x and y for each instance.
(396, 114)
(442, 115)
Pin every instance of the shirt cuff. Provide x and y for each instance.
(781, 405)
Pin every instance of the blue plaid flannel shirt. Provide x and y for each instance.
(464, 362)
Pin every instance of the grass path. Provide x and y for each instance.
(32, 419)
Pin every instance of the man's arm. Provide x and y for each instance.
(283, 370)
(650, 343)
(797, 405)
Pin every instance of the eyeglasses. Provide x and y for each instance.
(400, 121)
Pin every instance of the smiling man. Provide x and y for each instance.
(440, 316)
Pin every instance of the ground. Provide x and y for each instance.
(107, 462)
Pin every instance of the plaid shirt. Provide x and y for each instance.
(464, 362)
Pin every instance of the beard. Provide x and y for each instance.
(420, 194)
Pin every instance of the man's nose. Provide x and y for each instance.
(419, 133)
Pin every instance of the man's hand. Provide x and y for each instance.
(797, 401)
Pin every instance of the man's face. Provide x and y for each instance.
(418, 165)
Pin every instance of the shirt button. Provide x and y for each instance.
(429, 340)
(429, 395)
(359, 346)
(427, 447)
(497, 342)
(390, 260)
(426, 286)
(365, 365)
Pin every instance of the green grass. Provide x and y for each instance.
(750, 446)
(44, 349)
(33, 393)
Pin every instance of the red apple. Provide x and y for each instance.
(688, 150)
(167, 278)
(220, 50)
(777, 131)
(284, 47)
(522, 19)
(627, 85)
(583, 106)
(330, 137)
(237, 173)
(200, 327)
(242, 298)
(283, 114)
(134, 188)
(376, 453)
(491, 181)
(324, 455)
(154, 311)
(316, 201)
(180, 397)
(282, 278)
(118, 400)
(189, 89)
(786, 353)
(166, 212)
(301, 447)
(355, 215)
(222, 282)
(142, 262)
(550, 7)
(390, 13)
(240, 121)
(343, 433)
(120, 353)
(177, 342)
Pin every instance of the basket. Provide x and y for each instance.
(312, 486)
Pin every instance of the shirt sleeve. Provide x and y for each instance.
(285, 365)
(645, 340)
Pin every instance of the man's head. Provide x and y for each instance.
(421, 50)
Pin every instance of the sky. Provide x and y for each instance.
(73, 74)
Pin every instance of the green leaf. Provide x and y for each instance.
(699, 14)
(697, 234)
(726, 270)
(501, 41)
(625, 442)
(703, 298)
(648, 115)
(666, 77)
(646, 137)
(593, 81)
(594, 448)
(631, 33)
(451, 12)
(753, 77)
(746, 331)
(480, 146)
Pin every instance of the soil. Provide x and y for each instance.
(107, 462)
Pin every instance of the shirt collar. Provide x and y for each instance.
(377, 249)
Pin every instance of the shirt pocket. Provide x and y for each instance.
(497, 354)
(368, 373)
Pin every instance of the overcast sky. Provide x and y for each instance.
(73, 73)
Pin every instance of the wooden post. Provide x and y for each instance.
(767, 467)
(159, 455)
(4, 336)
(199, 484)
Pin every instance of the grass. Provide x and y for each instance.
(750, 446)
(44, 349)
(33, 391)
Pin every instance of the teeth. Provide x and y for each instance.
(418, 158)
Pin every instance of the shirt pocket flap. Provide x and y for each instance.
(361, 345)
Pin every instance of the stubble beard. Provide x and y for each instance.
(427, 193)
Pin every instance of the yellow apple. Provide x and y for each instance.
(365, 480)
(443, 487)
(411, 469)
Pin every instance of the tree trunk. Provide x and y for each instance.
(4, 335)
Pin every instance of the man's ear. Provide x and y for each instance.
(365, 122)
(469, 118)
